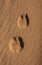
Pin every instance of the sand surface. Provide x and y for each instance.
(10, 10)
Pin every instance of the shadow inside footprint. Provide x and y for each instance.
(22, 16)
(27, 19)
(15, 38)
(21, 42)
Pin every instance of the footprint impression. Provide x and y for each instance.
(23, 21)
(16, 44)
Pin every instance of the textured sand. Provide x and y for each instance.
(10, 10)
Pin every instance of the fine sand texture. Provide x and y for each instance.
(10, 11)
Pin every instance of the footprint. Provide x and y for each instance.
(16, 44)
(23, 21)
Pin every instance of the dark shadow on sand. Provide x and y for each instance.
(21, 42)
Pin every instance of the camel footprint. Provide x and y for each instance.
(23, 21)
(16, 44)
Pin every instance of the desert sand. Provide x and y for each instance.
(10, 10)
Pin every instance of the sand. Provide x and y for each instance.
(10, 10)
